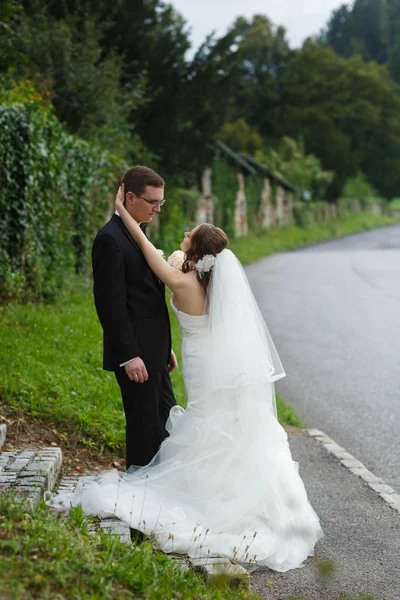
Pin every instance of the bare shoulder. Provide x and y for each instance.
(189, 279)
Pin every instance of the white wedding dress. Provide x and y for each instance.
(223, 483)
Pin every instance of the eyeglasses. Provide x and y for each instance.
(153, 202)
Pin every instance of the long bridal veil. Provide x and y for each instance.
(241, 354)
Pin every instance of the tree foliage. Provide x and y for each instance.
(289, 160)
(118, 74)
(369, 28)
(348, 114)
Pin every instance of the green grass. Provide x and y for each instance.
(43, 555)
(51, 368)
(248, 249)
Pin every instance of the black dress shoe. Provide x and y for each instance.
(136, 535)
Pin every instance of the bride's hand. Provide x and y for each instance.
(120, 197)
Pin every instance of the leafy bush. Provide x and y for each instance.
(395, 204)
(358, 187)
(53, 195)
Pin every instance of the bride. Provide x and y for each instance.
(223, 483)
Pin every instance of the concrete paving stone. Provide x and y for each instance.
(23, 474)
(352, 464)
(3, 434)
(17, 465)
(214, 568)
(27, 488)
(181, 563)
(324, 439)
(52, 452)
(7, 477)
(333, 448)
(117, 527)
(381, 488)
(44, 461)
(27, 454)
(366, 475)
(315, 432)
(343, 455)
(199, 562)
(32, 481)
(113, 524)
(4, 464)
(388, 498)
(41, 467)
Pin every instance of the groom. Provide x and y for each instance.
(130, 303)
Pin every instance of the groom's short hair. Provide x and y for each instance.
(137, 178)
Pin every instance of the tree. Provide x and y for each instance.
(369, 28)
(239, 136)
(347, 112)
(67, 59)
(148, 86)
(10, 37)
(261, 56)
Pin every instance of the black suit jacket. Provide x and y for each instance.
(130, 301)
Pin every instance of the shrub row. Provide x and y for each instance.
(54, 190)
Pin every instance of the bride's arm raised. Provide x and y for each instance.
(171, 276)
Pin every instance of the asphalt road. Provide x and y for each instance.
(361, 542)
(333, 310)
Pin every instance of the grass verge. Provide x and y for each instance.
(51, 371)
(46, 556)
(248, 249)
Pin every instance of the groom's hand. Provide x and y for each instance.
(136, 370)
(173, 362)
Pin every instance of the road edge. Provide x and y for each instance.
(356, 467)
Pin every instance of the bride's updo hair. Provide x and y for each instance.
(205, 239)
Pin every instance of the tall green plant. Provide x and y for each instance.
(49, 180)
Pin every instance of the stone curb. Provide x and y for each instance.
(216, 568)
(29, 473)
(111, 525)
(356, 467)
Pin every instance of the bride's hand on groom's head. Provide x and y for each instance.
(120, 197)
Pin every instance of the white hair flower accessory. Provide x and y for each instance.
(205, 264)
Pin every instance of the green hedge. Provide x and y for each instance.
(54, 190)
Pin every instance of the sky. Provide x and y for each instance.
(301, 18)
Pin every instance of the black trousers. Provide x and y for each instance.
(146, 407)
